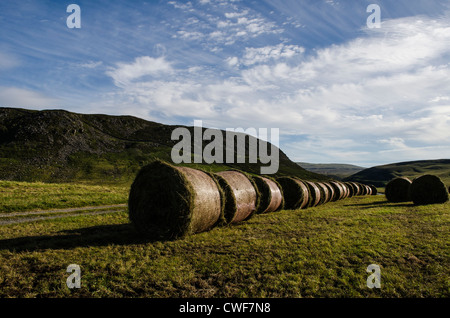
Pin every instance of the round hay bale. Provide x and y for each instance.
(374, 189)
(338, 190)
(168, 202)
(343, 191)
(271, 196)
(230, 204)
(277, 202)
(367, 190)
(363, 189)
(314, 192)
(351, 189)
(324, 193)
(397, 190)
(295, 193)
(428, 189)
(243, 198)
(330, 190)
(346, 189)
(356, 189)
(322, 196)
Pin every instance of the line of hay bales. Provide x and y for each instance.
(425, 189)
(169, 202)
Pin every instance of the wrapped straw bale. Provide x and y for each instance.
(271, 195)
(330, 190)
(324, 193)
(428, 189)
(374, 189)
(241, 195)
(397, 190)
(339, 191)
(295, 193)
(314, 192)
(168, 202)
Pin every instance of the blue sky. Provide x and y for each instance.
(337, 90)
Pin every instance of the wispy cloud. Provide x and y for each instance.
(8, 61)
(367, 90)
(226, 26)
(91, 64)
(142, 66)
(267, 53)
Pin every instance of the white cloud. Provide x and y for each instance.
(232, 61)
(91, 64)
(384, 94)
(267, 53)
(183, 6)
(233, 15)
(185, 35)
(223, 28)
(142, 66)
(332, 2)
(440, 98)
(19, 97)
(394, 142)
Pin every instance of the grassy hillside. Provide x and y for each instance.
(60, 146)
(332, 170)
(318, 252)
(380, 175)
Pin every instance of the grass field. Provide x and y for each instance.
(27, 196)
(318, 252)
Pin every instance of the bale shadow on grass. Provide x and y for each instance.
(381, 203)
(101, 235)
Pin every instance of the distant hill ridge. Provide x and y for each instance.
(381, 175)
(332, 170)
(62, 146)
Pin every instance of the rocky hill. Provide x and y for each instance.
(61, 146)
